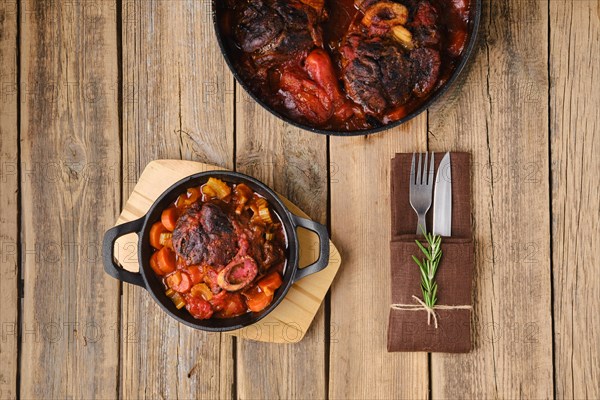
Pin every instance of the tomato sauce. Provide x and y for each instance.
(220, 251)
(341, 18)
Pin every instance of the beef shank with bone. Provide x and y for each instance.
(383, 64)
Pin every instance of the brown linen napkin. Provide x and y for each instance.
(409, 329)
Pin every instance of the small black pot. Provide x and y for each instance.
(149, 281)
(218, 8)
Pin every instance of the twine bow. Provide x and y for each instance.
(430, 310)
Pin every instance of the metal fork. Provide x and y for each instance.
(421, 188)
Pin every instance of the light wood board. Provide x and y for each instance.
(9, 212)
(360, 223)
(172, 96)
(175, 105)
(500, 116)
(289, 322)
(69, 143)
(575, 145)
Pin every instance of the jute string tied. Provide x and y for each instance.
(430, 310)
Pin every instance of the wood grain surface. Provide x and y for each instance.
(69, 142)
(295, 165)
(360, 366)
(574, 127)
(92, 91)
(509, 146)
(9, 199)
(175, 106)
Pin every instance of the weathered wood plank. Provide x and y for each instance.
(70, 143)
(500, 115)
(178, 103)
(294, 163)
(574, 127)
(9, 212)
(360, 366)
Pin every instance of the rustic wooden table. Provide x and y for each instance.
(94, 90)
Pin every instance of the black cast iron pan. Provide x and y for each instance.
(218, 8)
(149, 281)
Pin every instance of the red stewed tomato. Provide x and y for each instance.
(198, 307)
(234, 306)
(218, 249)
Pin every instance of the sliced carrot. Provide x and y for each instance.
(187, 199)
(195, 273)
(154, 265)
(179, 282)
(270, 283)
(193, 194)
(180, 203)
(155, 232)
(257, 300)
(169, 218)
(165, 260)
(166, 239)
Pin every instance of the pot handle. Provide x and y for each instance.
(323, 259)
(110, 266)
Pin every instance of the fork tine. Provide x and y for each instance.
(425, 171)
(430, 180)
(419, 176)
(412, 170)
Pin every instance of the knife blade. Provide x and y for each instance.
(442, 199)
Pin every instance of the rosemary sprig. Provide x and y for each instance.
(429, 266)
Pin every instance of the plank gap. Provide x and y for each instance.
(234, 83)
(119, 35)
(550, 198)
(234, 383)
(327, 301)
(20, 278)
(429, 358)
(234, 340)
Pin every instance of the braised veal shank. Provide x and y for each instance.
(361, 72)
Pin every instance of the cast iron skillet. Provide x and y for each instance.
(149, 281)
(218, 7)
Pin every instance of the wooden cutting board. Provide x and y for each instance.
(289, 322)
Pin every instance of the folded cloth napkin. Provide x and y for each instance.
(411, 327)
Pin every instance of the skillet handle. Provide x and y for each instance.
(108, 245)
(323, 259)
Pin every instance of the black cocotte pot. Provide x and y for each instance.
(229, 51)
(149, 281)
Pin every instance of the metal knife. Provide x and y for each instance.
(442, 199)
